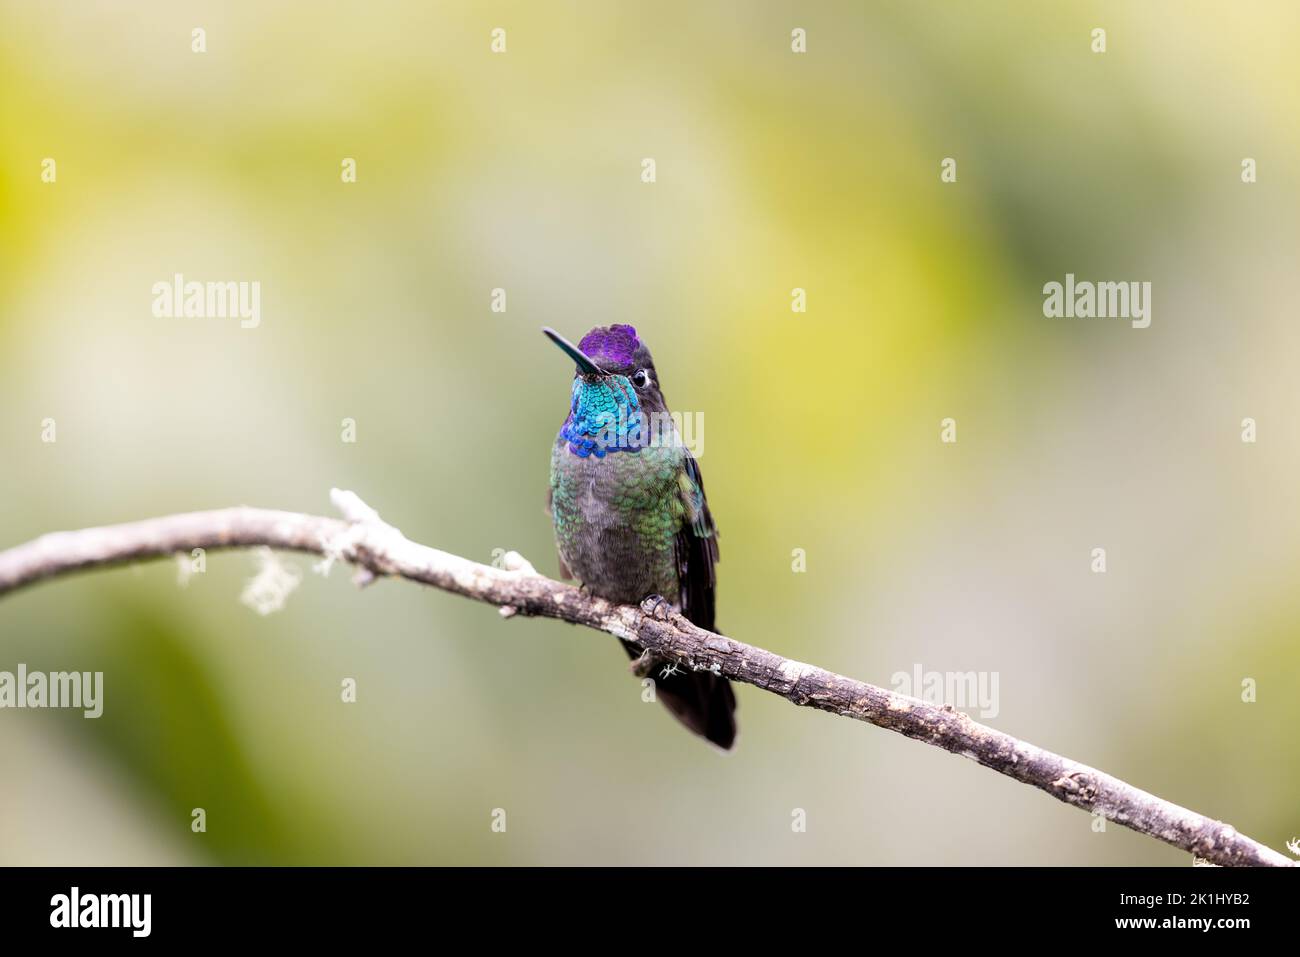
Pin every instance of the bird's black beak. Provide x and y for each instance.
(585, 365)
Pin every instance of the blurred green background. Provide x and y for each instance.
(774, 171)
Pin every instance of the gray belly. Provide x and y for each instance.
(614, 523)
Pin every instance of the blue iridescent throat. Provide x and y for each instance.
(604, 416)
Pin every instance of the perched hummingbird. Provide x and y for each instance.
(631, 519)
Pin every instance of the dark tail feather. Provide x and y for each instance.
(700, 700)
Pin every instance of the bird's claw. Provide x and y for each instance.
(656, 606)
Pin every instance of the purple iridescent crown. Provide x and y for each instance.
(610, 345)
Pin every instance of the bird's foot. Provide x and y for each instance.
(656, 606)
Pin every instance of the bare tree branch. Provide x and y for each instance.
(362, 539)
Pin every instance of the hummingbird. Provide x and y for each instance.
(631, 520)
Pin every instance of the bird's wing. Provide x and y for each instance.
(697, 549)
(701, 700)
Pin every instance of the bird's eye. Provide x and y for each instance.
(640, 378)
